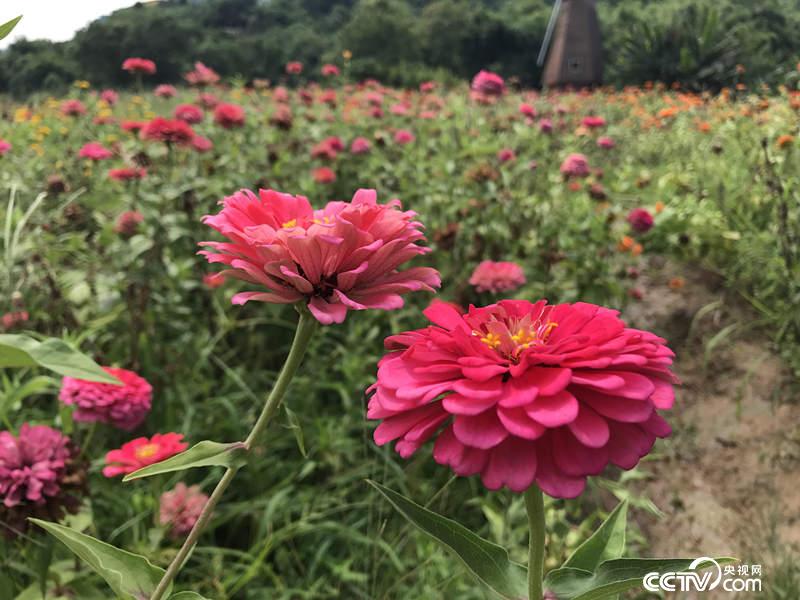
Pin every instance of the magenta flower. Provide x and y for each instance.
(487, 83)
(110, 97)
(575, 165)
(202, 144)
(545, 125)
(641, 220)
(505, 155)
(189, 113)
(95, 151)
(525, 392)
(5, 146)
(165, 91)
(229, 115)
(403, 137)
(495, 277)
(123, 406)
(527, 110)
(180, 508)
(128, 223)
(360, 145)
(127, 173)
(605, 142)
(139, 65)
(342, 257)
(73, 108)
(594, 121)
(141, 452)
(39, 476)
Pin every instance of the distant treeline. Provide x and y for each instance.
(404, 42)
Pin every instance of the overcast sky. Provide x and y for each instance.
(54, 20)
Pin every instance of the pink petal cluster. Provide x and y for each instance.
(360, 145)
(95, 151)
(127, 173)
(525, 393)
(165, 90)
(641, 220)
(72, 108)
(342, 257)
(594, 121)
(11, 319)
(506, 155)
(294, 67)
(169, 131)
(141, 452)
(202, 144)
(123, 406)
(201, 75)
(229, 115)
(403, 137)
(605, 142)
(5, 146)
(128, 223)
(527, 110)
(575, 165)
(32, 464)
(189, 113)
(139, 65)
(329, 70)
(110, 97)
(488, 84)
(180, 508)
(496, 277)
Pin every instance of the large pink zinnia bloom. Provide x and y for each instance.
(342, 257)
(124, 406)
(522, 393)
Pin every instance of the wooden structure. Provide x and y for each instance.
(575, 56)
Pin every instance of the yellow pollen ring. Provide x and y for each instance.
(146, 451)
(290, 223)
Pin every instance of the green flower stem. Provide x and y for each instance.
(534, 504)
(302, 336)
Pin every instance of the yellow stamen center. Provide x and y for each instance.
(146, 451)
(290, 223)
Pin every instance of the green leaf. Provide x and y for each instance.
(612, 576)
(52, 354)
(202, 454)
(131, 576)
(7, 28)
(485, 560)
(606, 543)
(297, 430)
(187, 596)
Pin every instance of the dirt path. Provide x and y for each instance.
(729, 479)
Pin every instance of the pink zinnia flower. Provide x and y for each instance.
(11, 319)
(360, 145)
(329, 70)
(505, 155)
(189, 113)
(207, 100)
(527, 110)
(525, 393)
(110, 97)
(545, 125)
(123, 406)
(294, 67)
(593, 121)
(139, 453)
(605, 142)
(127, 173)
(95, 151)
(139, 65)
(575, 165)
(180, 508)
(40, 476)
(323, 175)
(165, 91)
(640, 220)
(128, 223)
(495, 277)
(427, 86)
(202, 75)
(328, 148)
(72, 108)
(169, 131)
(132, 126)
(403, 136)
(488, 84)
(229, 115)
(202, 144)
(342, 257)
(5, 146)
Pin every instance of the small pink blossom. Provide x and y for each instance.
(640, 220)
(487, 83)
(189, 113)
(506, 155)
(527, 110)
(95, 151)
(605, 142)
(496, 277)
(594, 121)
(110, 97)
(5, 146)
(72, 108)
(575, 165)
(329, 70)
(403, 137)
(202, 144)
(201, 75)
(165, 91)
(139, 65)
(360, 145)
(180, 508)
(294, 67)
(229, 115)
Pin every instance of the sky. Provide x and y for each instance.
(55, 20)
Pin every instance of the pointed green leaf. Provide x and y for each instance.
(187, 596)
(8, 27)
(131, 576)
(297, 429)
(613, 576)
(606, 543)
(485, 560)
(202, 454)
(52, 354)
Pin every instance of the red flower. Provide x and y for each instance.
(165, 91)
(188, 112)
(5, 146)
(132, 126)
(427, 87)
(168, 131)
(329, 70)
(506, 155)
(641, 220)
(527, 110)
(139, 65)
(328, 148)
(202, 144)
(128, 223)
(593, 121)
(72, 108)
(294, 67)
(229, 115)
(525, 393)
(342, 257)
(139, 453)
(323, 175)
(124, 406)
(127, 173)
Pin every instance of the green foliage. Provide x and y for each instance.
(52, 354)
(202, 454)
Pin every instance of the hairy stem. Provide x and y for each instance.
(534, 504)
(302, 336)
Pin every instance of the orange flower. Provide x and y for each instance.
(677, 283)
(704, 126)
(625, 244)
(785, 140)
(659, 207)
(637, 249)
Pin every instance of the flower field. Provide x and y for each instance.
(172, 235)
